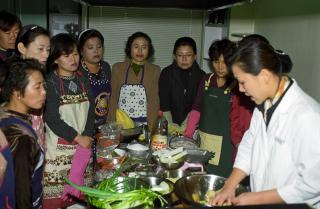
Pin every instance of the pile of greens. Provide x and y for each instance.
(119, 193)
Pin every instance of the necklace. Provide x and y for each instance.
(96, 79)
(66, 77)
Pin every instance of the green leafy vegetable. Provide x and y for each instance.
(119, 193)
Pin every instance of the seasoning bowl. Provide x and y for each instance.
(137, 150)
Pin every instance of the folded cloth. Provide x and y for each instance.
(192, 123)
(79, 164)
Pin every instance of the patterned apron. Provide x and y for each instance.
(73, 110)
(133, 99)
(214, 128)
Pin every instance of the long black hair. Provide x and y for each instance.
(28, 34)
(255, 55)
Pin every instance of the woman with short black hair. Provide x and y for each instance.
(133, 82)
(179, 81)
(24, 89)
(10, 25)
(98, 71)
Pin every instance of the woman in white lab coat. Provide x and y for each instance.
(281, 149)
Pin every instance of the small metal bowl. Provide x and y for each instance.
(176, 174)
(170, 166)
(137, 153)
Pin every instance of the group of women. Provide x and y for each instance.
(58, 90)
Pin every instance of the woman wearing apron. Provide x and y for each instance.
(69, 122)
(135, 82)
(222, 113)
(91, 43)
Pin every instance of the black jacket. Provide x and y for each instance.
(177, 90)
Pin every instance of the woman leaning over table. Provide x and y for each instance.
(280, 151)
(134, 82)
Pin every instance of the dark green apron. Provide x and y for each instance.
(214, 129)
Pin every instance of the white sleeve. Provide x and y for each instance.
(306, 149)
(243, 158)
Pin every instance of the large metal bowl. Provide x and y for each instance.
(191, 190)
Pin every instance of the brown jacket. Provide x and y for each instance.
(150, 82)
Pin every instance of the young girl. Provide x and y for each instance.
(24, 89)
(221, 111)
(69, 122)
(34, 42)
(135, 82)
(91, 43)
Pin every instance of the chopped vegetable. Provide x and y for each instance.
(162, 188)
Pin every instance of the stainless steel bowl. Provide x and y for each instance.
(154, 181)
(136, 153)
(191, 190)
(174, 175)
(170, 166)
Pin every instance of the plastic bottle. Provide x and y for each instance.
(159, 134)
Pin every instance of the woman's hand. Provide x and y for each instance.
(224, 197)
(229, 189)
(84, 141)
(258, 198)
(3, 167)
(247, 198)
